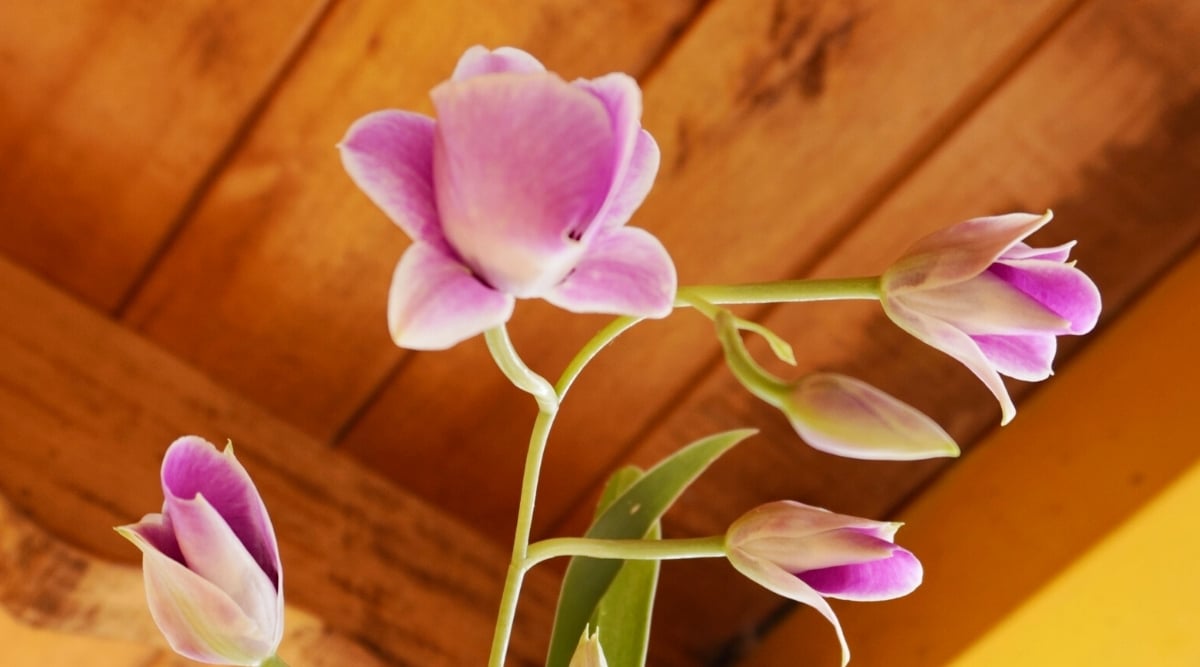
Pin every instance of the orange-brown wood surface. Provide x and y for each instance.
(174, 170)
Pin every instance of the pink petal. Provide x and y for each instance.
(959, 252)
(212, 551)
(985, 304)
(1058, 253)
(837, 547)
(783, 583)
(848, 417)
(522, 164)
(626, 271)
(435, 302)
(639, 178)
(478, 60)
(1060, 288)
(952, 341)
(1027, 358)
(623, 100)
(198, 619)
(192, 466)
(870, 581)
(796, 520)
(389, 155)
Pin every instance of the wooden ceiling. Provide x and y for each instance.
(171, 166)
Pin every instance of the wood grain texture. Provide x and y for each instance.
(62, 606)
(1118, 177)
(1089, 450)
(86, 412)
(110, 115)
(278, 285)
(776, 120)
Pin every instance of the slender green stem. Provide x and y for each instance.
(501, 347)
(273, 661)
(590, 350)
(696, 547)
(752, 376)
(785, 291)
(516, 571)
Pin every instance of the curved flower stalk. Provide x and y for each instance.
(838, 414)
(808, 554)
(214, 581)
(978, 293)
(521, 188)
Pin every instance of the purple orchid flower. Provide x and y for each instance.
(214, 581)
(977, 293)
(807, 554)
(521, 188)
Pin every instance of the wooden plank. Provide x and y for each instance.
(755, 99)
(1102, 125)
(295, 261)
(1087, 453)
(86, 411)
(110, 115)
(63, 606)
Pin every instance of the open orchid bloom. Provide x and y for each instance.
(978, 293)
(214, 581)
(807, 554)
(589, 652)
(521, 188)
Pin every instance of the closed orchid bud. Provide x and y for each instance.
(838, 414)
(520, 189)
(848, 417)
(978, 293)
(589, 652)
(807, 554)
(213, 577)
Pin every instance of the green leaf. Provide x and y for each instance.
(623, 614)
(630, 516)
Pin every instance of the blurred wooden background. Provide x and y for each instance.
(173, 213)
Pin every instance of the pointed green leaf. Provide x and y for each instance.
(624, 612)
(630, 516)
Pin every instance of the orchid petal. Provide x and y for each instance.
(623, 100)
(783, 583)
(1027, 358)
(478, 61)
(625, 270)
(796, 520)
(212, 551)
(639, 178)
(1022, 250)
(1060, 288)
(986, 304)
(958, 253)
(847, 417)
(821, 551)
(868, 581)
(955, 343)
(522, 163)
(435, 302)
(389, 155)
(192, 466)
(198, 619)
